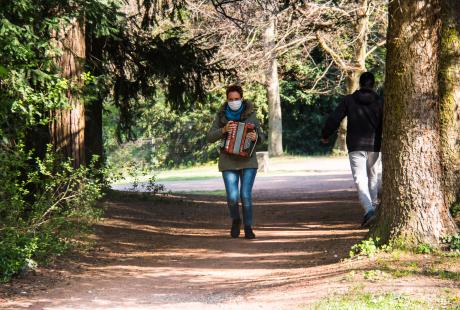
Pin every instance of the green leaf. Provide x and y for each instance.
(3, 71)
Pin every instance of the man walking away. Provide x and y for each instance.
(364, 110)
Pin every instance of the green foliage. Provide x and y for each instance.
(358, 300)
(452, 243)
(375, 275)
(307, 98)
(140, 67)
(303, 122)
(423, 249)
(168, 138)
(455, 209)
(45, 204)
(368, 247)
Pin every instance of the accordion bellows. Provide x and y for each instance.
(237, 141)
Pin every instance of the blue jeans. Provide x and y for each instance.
(231, 180)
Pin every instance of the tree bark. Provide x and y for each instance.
(450, 98)
(413, 206)
(68, 124)
(94, 143)
(359, 61)
(275, 124)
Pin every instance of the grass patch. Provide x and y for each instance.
(442, 274)
(131, 196)
(357, 300)
(220, 193)
(375, 275)
(209, 170)
(188, 178)
(445, 268)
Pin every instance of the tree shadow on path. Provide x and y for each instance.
(178, 250)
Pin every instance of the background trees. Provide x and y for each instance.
(255, 36)
(352, 33)
(49, 189)
(88, 77)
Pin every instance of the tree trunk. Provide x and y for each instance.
(359, 61)
(68, 124)
(413, 207)
(94, 143)
(275, 124)
(450, 98)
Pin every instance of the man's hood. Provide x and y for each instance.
(365, 96)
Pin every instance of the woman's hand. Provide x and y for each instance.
(228, 127)
(252, 135)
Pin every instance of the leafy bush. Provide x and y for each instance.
(45, 205)
(365, 248)
(455, 209)
(423, 249)
(452, 242)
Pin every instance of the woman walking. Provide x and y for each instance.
(236, 168)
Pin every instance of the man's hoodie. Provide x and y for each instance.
(364, 112)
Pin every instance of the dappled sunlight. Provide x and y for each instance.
(177, 251)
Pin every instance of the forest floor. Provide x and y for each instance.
(176, 253)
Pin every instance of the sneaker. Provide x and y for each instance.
(235, 230)
(248, 233)
(368, 219)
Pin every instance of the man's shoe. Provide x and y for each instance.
(235, 230)
(369, 218)
(248, 233)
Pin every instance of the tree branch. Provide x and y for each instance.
(337, 59)
(376, 47)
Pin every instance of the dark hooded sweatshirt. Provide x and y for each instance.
(364, 112)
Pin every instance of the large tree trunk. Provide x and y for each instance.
(275, 124)
(359, 61)
(450, 98)
(413, 206)
(94, 143)
(68, 124)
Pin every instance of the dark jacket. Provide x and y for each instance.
(228, 161)
(364, 112)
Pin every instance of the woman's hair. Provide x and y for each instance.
(233, 88)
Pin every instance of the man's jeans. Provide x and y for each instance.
(366, 168)
(231, 180)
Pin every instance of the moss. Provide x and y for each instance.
(449, 84)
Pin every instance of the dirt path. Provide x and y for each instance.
(177, 254)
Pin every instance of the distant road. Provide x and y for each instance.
(326, 175)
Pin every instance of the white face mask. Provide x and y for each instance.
(235, 105)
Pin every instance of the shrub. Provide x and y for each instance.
(45, 205)
(365, 248)
(452, 242)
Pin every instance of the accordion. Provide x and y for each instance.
(237, 141)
